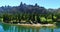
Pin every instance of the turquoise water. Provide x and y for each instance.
(16, 28)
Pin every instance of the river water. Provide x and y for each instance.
(18, 28)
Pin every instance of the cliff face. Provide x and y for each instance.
(23, 8)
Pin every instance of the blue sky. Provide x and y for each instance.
(44, 3)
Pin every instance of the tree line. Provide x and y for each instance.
(29, 14)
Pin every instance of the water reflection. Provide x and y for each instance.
(1, 29)
(15, 28)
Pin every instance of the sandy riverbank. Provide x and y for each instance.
(37, 25)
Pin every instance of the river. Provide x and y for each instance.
(19, 28)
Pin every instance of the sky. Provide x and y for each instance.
(45, 3)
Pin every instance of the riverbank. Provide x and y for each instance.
(35, 25)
